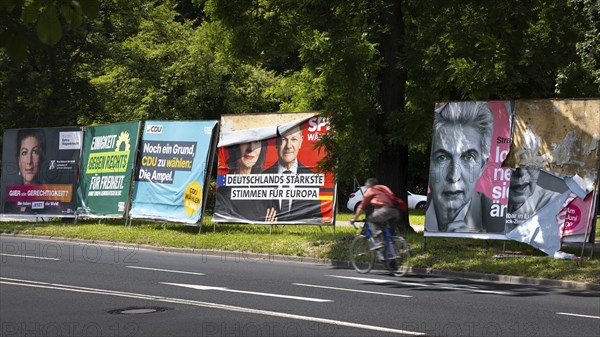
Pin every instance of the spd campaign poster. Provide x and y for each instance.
(40, 168)
(171, 170)
(468, 186)
(268, 172)
(109, 153)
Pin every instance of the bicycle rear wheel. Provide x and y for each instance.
(361, 255)
(397, 258)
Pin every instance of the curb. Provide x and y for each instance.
(574, 285)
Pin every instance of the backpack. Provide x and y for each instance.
(396, 202)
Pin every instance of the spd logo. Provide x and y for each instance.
(154, 128)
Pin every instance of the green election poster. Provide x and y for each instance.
(106, 167)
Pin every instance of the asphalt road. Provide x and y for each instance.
(58, 288)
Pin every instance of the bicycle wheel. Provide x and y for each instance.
(361, 255)
(397, 257)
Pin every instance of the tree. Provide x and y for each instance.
(340, 57)
(172, 68)
(582, 78)
(377, 67)
(19, 19)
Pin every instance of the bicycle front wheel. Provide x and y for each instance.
(361, 255)
(397, 259)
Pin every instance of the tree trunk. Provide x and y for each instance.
(391, 168)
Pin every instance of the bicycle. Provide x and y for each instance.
(394, 253)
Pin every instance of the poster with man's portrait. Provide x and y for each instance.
(524, 170)
(555, 148)
(468, 187)
(40, 170)
(268, 172)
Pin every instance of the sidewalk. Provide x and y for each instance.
(421, 228)
(417, 228)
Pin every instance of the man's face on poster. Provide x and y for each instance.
(288, 146)
(456, 165)
(522, 184)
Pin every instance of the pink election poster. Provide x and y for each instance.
(468, 187)
(494, 183)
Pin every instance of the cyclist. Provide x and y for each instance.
(384, 212)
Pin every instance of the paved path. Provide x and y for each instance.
(417, 228)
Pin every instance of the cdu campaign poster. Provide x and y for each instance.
(108, 159)
(268, 172)
(40, 168)
(172, 169)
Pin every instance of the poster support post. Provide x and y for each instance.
(588, 231)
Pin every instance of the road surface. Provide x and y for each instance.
(59, 288)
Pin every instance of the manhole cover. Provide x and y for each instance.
(138, 310)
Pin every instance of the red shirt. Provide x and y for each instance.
(377, 197)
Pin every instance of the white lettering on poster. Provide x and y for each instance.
(274, 193)
(306, 179)
(502, 175)
(103, 142)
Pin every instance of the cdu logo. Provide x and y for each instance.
(154, 128)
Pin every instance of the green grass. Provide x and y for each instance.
(323, 243)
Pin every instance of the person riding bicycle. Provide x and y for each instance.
(384, 212)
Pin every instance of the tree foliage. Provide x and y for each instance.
(172, 69)
(375, 67)
(25, 23)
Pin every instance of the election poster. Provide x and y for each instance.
(268, 170)
(559, 138)
(40, 169)
(108, 159)
(468, 186)
(172, 170)
(536, 184)
(576, 220)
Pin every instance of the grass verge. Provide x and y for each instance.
(324, 243)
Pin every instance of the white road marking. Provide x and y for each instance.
(577, 315)
(166, 270)
(201, 287)
(352, 290)
(43, 285)
(378, 280)
(455, 285)
(434, 285)
(483, 291)
(31, 257)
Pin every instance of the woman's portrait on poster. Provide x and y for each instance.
(31, 150)
(244, 158)
(29, 153)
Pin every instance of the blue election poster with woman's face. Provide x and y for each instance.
(171, 170)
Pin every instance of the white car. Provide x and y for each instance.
(415, 201)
